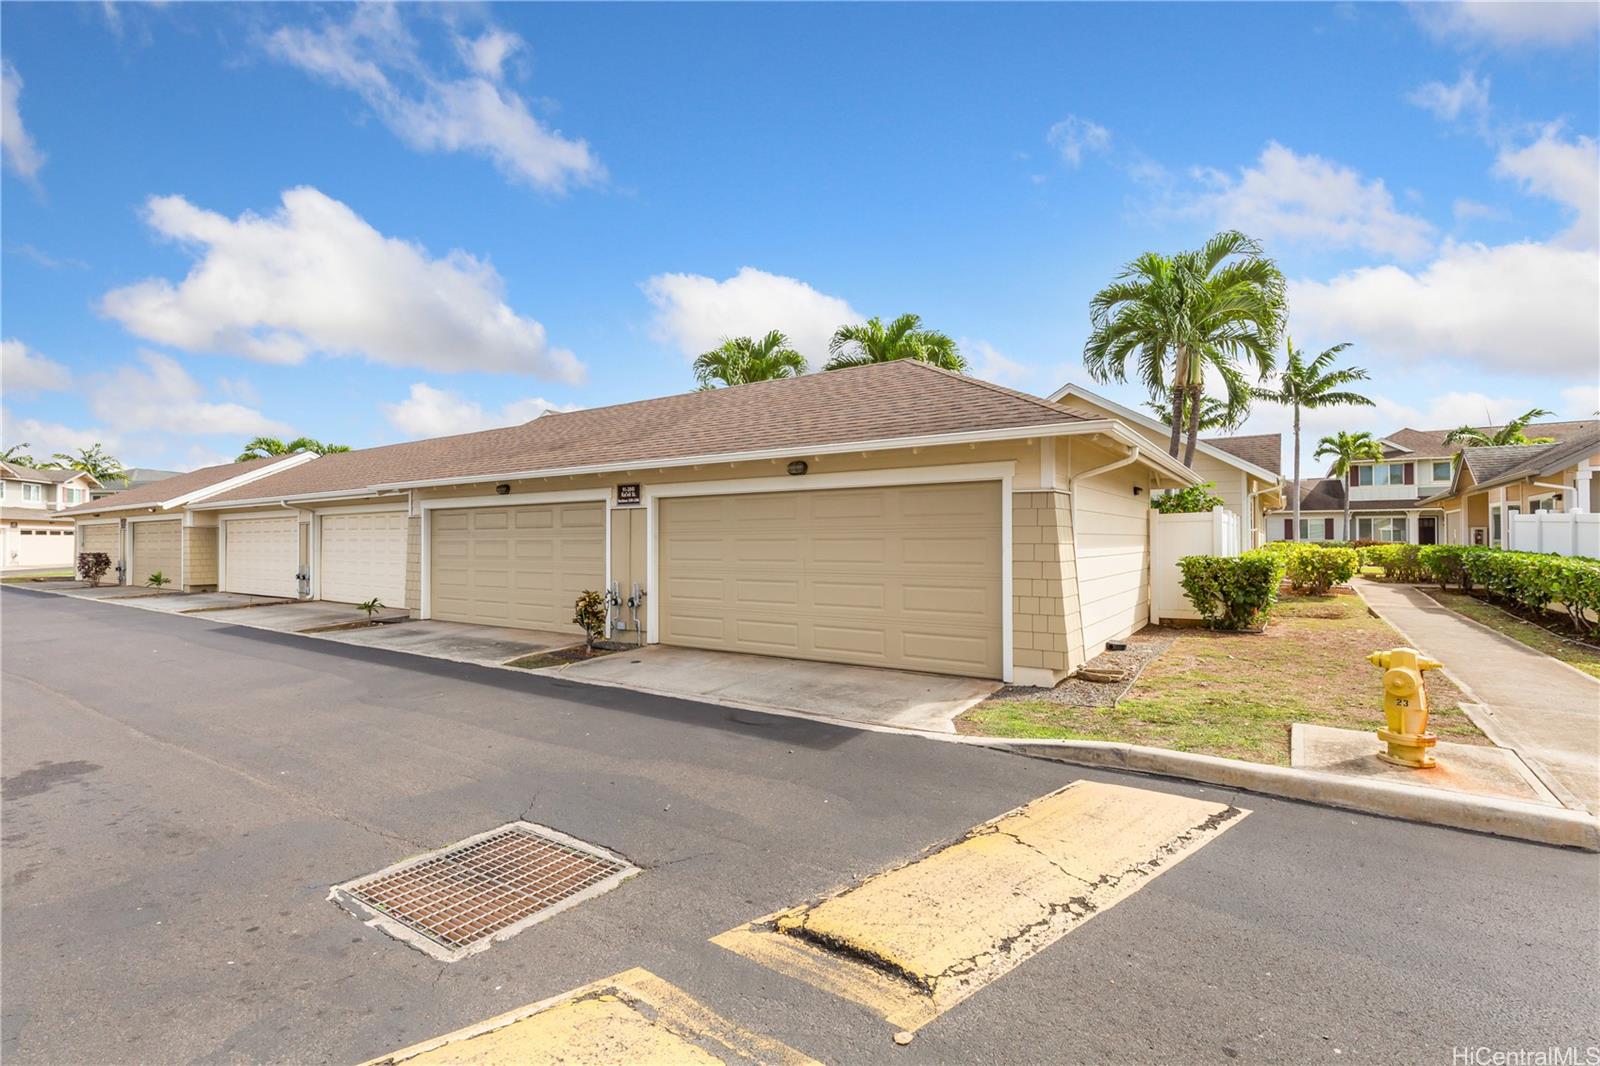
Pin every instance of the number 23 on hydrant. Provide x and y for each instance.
(1405, 707)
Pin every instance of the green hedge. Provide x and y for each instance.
(1522, 579)
(1235, 592)
(1399, 562)
(1315, 569)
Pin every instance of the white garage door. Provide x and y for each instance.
(515, 566)
(364, 556)
(261, 556)
(156, 548)
(38, 547)
(899, 577)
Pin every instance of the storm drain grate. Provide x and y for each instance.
(453, 902)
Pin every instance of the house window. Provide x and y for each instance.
(32, 493)
(1388, 474)
(1385, 529)
(1441, 471)
(1310, 529)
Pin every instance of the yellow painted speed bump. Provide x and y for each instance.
(634, 1017)
(912, 942)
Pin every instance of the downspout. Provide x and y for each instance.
(302, 577)
(1250, 502)
(1072, 510)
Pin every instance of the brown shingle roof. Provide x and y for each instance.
(872, 403)
(1262, 449)
(153, 493)
(1425, 443)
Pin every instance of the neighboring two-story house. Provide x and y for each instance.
(132, 478)
(31, 533)
(1407, 496)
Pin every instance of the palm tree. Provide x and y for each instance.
(1344, 449)
(17, 455)
(262, 447)
(741, 360)
(93, 461)
(904, 338)
(1311, 386)
(1513, 432)
(1214, 413)
(1177, 315)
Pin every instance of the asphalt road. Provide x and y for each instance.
(179, 795)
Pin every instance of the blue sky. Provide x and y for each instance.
(371, 224)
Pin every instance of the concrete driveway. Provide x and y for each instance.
(819, 690)
(175, 817)
(456, 641)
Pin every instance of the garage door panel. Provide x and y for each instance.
(870, 584)
(261, 556)
(156, 546)
(521, 566)
(363, 556)
(104, 537)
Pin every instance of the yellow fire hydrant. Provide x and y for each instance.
(1405, 707)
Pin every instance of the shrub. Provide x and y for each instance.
(92, 566)
(1446, 564)
(1196, 499)
(589, 614)
(1399, 562)
(1235, 592)
(1316, 569)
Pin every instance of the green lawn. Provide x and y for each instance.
(1237, 694)
(1584, 657)
(21, 579)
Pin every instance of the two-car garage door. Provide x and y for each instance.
(906, 577)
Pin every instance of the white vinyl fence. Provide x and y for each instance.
(1548, 531)
(1172, 536)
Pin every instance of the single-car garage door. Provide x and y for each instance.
(903, 577)
(364, 556)
(261, 556)
(104, 537)
(515, 566)
(156, 546)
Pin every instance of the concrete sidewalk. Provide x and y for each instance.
(1547, 711)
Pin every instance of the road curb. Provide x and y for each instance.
(1515, 819)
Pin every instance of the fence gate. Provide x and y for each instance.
(1172, 536)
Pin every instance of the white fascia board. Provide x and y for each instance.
(243, 479)
(1079, 392)
(357, 493)
(1109, 427)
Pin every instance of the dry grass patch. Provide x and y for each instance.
(1238, 694)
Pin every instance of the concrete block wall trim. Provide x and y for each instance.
(1003, 472)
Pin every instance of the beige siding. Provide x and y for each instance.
(199, 558)
(515, 566)
(157, 546)
(1113, 541)
(413, 563)
(1045, 634)
(906, 577)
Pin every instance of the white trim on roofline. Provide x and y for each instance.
(1071, 389)
(357, 493)
(1107, 426)
(195, 495)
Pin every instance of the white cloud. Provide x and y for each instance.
(315, 276)
(374, 55)
(988, 363)
(24, 370)
(431, 412)
(1466, 210)
(1467, 99)
(44, 439)
(162, 396)
(1567, 172)
(1527, 307)
(1580, 401)
(1307, 198)
(21, 154)
(1513, 24)
(694, 312)
(1074, 136)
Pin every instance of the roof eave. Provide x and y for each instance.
(1070, 389)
